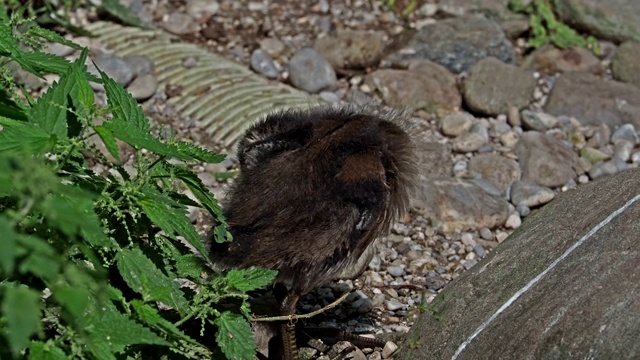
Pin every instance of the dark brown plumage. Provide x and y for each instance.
(315, 189)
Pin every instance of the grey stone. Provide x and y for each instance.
(311, 72)
(523, 210)
(622, 150)
(500, 171)
(486, 233)
(468, 142)
(426, 85)
(263, 63)
(275, 47)
(615, 20)
(550, 60)
(143, 87)
(179, 24)
(362, 306)
(589, 299)
(394, 304)
(486, 89)
(140, 64)
(538, 121)
(199, 8)
(530, 195)
(602, 169)
(624, 65)
(114, 66)
(460, 42)
(395, 271)
(593, 155)
(594, 101)
(388, 349)
(351, 48)
(460, 204)
(545, 160)
(625, 132)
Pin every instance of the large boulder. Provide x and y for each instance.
(565, 285)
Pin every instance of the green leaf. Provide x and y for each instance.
(46, 351)
(10, 108)
(251, 278)
(198, 153)
(171, 217)
(190, 266)
(22, 310)
(109, 141)
(115, 9)
(123, 106)
(143, 277)
(52, 111)
(197, 187)
(151, 317)
(139, 138)
(111, 331)
(234, 336)
(74, 299)
(53, 37)
(22, 138)
(8, 248)
(9, 47)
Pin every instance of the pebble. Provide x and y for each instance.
(199, 8)
(625, 132)
(513, 221)
(140, 64)
(603, 168)
(513, 116)
(389, 349)
(479, 250)
(486, 233)
(394, 304)
(143, 87)
(529, 194)
(362, 306)
(468, 142)
(179, 24)
(114, 66)
(311, 72)
(456, 124)
(395, 271)
(622, 150)
(263, 63)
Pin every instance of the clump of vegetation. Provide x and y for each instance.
(545, 28)
(103, 266)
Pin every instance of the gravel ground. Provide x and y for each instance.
(420, 256)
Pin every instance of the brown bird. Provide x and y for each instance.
(315, 189)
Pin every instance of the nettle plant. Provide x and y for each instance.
(104, 266)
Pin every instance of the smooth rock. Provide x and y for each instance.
(460, 204)
(593, 155)
(273, 46)
(625, 132)
(140, 64)
(625, 65)
(594, 101)
(114, 66)
(550, 60)
(349, 49)
(143, 87)
(499, 170)
(602, 169)
(545, 160)
(460, 42)
(426, 85)
(199, 8)
(538, 121)
(622, 150)
(362, 306)
(263, 63)
(588, 298)
(468, 142)
(388, 349)
(311, 72)
(393, 304)
(395, 271)
(530, 195)
(486, 89)
(179, 24)
(456, 124)
(615, 20)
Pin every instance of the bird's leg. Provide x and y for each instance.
(288, 328)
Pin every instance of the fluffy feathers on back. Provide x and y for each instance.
(315, 188)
